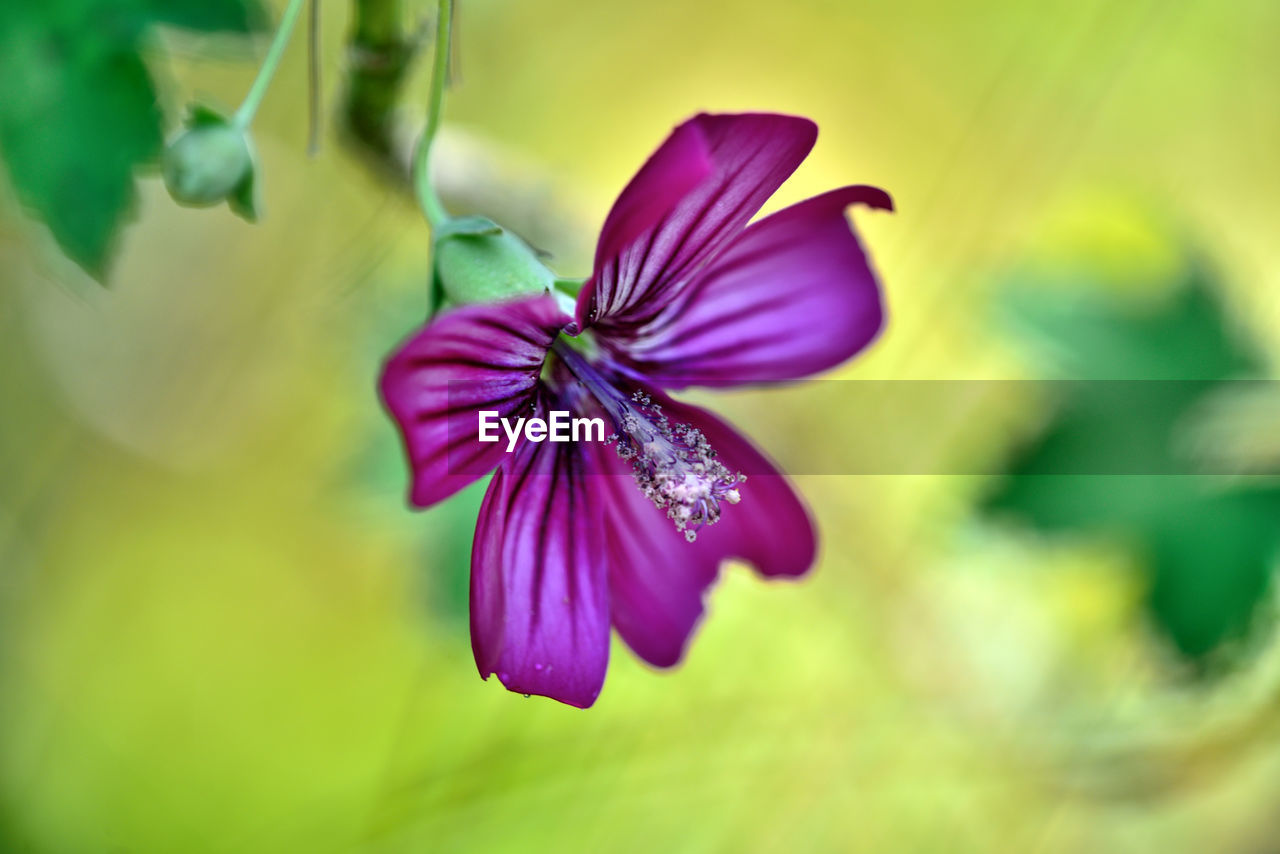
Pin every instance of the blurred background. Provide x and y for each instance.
(222, 630)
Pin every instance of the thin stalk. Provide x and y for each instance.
(432, 207)
(244, 116)
(313, 79)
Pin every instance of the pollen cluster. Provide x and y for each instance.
(675, 466)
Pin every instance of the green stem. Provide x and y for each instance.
(314, 106)
(427, 197)
(378, 63)
(244, 115)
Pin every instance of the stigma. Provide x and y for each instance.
(674, 465)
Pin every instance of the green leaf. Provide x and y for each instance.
(1210, 547)
(1214, 554)
(1182, 335)
(79, 109)
(208, 16)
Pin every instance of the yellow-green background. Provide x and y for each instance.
(223, 631)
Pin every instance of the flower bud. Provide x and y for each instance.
(211, 162)
(478, 261)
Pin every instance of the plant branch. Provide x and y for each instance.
(381, 52)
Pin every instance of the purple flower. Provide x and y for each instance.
(573, 538)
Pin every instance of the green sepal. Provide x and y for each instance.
(479, 261)
(436, 298)
(469, 226)
(243, 201)
(202, 115)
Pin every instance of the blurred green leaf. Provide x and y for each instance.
(1182, 337)
(1209, 545)
(78, 108)
(209, 16)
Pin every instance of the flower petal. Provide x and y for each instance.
(539, 600)
(657, 579)
(465, 360)
(639, 271)
(794, 294)
(681, 163)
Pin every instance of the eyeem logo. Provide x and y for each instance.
(560, 427)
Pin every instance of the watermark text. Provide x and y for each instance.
(559, 426)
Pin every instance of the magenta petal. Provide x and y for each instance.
(657, 579)
(639, 272)
(793, 295)
(539, 601)
(770, 528)
(681, 163)
(480, 357)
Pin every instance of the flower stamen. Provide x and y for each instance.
(674, 465)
